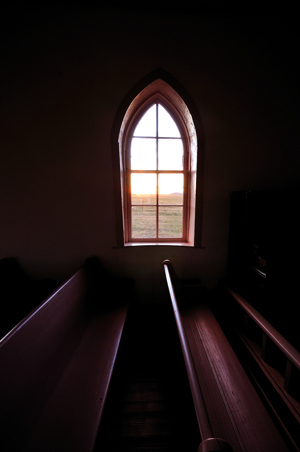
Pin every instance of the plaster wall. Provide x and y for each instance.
(65, 74)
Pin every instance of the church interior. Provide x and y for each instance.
(68, 74)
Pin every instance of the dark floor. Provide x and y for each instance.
(149, 407)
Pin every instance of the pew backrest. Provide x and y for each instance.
(43, 362)
(20, 294)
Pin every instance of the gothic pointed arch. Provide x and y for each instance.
(162, 212)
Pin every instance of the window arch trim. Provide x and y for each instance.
(160, 86)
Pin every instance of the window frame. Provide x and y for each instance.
(158, 99)
(173, 94)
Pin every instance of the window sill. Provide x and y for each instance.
(178, 244)
(158, 244)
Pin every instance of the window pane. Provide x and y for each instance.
(143, 222)
(170, 222)
(143, 154)
(170, 189)
(172, 199)
(170, 154)
(146, 126)
(166, 124)
(143, 200)
(143, 184)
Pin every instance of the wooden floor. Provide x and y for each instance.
(149, 406)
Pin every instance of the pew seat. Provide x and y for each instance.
(56, 365)
(230, 413)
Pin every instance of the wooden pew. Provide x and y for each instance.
(20, 294)
(271, 361)
(231, 416)
(57, 363)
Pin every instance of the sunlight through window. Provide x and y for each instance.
(158, 150)
(157, 176)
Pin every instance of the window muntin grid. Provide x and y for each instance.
(157, 178)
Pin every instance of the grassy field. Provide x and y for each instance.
(169, 217)
(173, 199)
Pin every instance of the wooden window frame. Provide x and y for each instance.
(160, 86)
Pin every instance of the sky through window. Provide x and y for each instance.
(156, 145)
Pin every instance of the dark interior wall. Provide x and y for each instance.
(65, 73)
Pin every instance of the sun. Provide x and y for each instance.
(147, 184)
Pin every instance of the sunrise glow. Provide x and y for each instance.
(145, 184)
(156, 146)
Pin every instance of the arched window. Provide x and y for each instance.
(158, 163)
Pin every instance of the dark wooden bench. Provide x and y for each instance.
(272, 362)
(231, 415)
(20, 294)
(57, 363)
